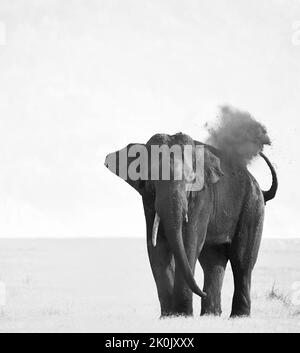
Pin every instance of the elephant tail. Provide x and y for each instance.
(270, 194)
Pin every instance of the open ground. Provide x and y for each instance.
(106, 285)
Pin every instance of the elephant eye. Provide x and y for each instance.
(190, 177)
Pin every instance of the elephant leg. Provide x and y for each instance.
(243, 256)
(183, 296)
(194, 238)
(213, 260)
(162, 265)
(241, 302)
(182, 301)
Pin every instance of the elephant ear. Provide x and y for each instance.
(212, 168)
(209, 171)
(131, 165)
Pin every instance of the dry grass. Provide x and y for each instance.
(107, 285)
(277, 294)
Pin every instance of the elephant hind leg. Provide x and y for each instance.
(243, 256)
(241, 302)
(213, 260)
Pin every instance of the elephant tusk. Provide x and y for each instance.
(155, 229)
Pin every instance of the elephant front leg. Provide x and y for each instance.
(213, 260)
(161, 262)
(193, 241)
(162, 265)
(182, 297)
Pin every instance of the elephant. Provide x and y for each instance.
(221, 222)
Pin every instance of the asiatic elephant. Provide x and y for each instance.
(221, 221)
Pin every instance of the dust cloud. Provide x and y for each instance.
(237, 134)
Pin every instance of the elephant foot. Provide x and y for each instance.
(241, 305)
(183, 308)
(211, 306)
(182, 314)
(175, 314)
(211, 312)
(166, 314)
(239, 313)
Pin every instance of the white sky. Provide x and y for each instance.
(80, 79)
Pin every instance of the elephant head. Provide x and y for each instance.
(165, 171)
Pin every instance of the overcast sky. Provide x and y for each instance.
(80, 79)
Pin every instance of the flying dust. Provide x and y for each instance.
(237, 134)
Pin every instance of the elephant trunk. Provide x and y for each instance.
(172, 222)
